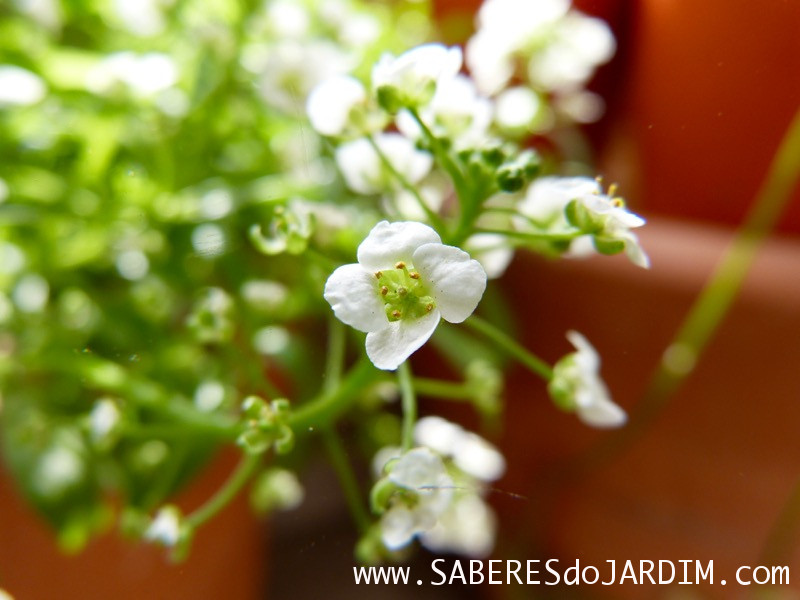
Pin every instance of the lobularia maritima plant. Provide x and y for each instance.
(190, 191)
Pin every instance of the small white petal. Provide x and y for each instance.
(418, 469)
(360, 166)
(352, 293)
(20, 87)
(398, 527)
(601, 411)
(438, 434)
(389, 243)
(477, 457)
(390, 346)
(548, 196)
(456, 281)
(492, 251)
(588, 358)
(330, 103)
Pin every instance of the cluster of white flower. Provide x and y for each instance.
(435, 491)
(557, 47)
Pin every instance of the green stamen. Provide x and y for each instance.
(403, 293)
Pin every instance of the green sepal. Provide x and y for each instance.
(608, 245)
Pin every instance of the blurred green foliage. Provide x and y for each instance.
(143, 150)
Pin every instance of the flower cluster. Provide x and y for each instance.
(434, 492)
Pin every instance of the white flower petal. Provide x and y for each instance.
(390, 346)
(455, 281)
(601, 411)
(588, 359)
(438, 434)
(352, 293)
(418, 469)
(360, 165)
(398, 527)
(477, 457)
(389, 243)
(329, 104)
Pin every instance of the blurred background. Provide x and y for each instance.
(697, 99)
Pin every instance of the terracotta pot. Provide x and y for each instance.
(708, 478)
(700, 104)
(227, 558)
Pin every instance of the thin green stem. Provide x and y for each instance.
(244, 470)
(334, 361)
(409, 402)
(437, 388)
(347, 478)
(328, 406)
(435, 220)
(535, 236)
(505, 342)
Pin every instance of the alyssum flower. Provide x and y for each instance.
(576, 386)
(404, 282)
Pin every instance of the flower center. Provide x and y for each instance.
(403, 293)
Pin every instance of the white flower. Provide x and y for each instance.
(144, 74)
(470, 453)
(467, 527)
(421, 472)
(165, 528)
(103, 419)
(456, 111)
(404, 282)
(492, 251)
(330, 104)
(20, 87)
(601, 215)
(576, 385)
(411, 78)
(365, 173)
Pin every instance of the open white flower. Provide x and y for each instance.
(423, 474)
(470, 453)
(467, 527)
(411, 78)
(404, 282)
(602, 216)
(364, 171)
(576, 385)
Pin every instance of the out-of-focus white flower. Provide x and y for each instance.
(430, 488)
(411, 78)
(455, 111)
(576, 385)
(140, 17)
(165, 528)
(20, 87)
(331, 103)
(292, 68)
(404, 282)
(144, 74)
(492, 251)
(209, 395)
(31, 293)
(470, 453)
(364, 171)
(288, 18)
(45, 12)
(103, 419)
(468, 527)
(579, 44)
(560, 48)
(520, 108)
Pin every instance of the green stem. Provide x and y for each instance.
(328, 406)
(347, 479)
(437, 388)
(334, 362)
(534, 236)
(714, 301)
(409, 402)
(511, 347)
(244, 470)
(406, 184)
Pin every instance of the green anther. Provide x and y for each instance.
(403, 293)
